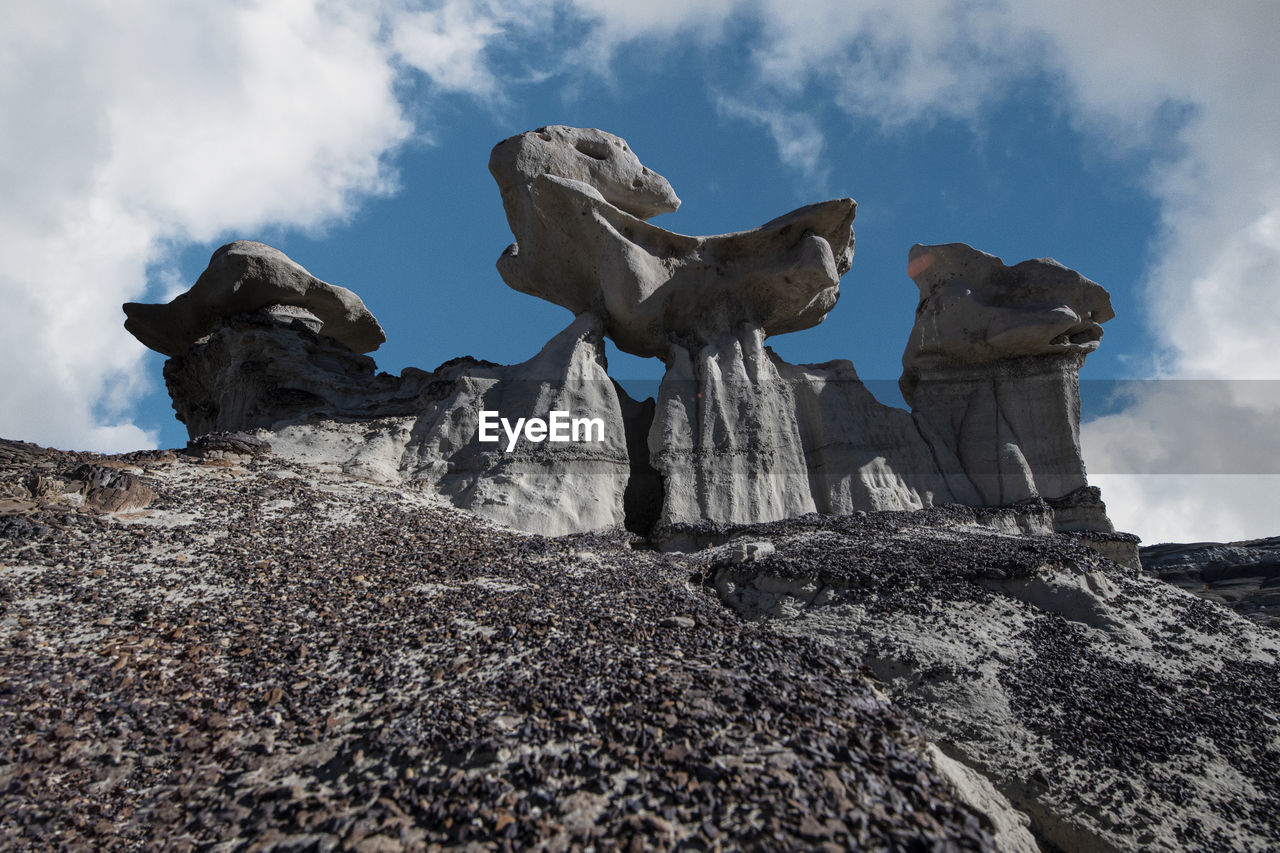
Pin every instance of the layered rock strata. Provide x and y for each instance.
(1244, 576)
(992, 367)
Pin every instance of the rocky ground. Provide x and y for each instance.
(222, 650)
(1244, 576)
(1115, 710)
(229, 652)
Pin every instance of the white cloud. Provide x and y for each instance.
(797, 136)
(1124, 70)
(1213, 289)
(1191, 507)
(132, 124)
(447, 44)
(618, 21)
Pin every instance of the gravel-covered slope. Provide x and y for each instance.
(254, 655)
(1119, 712)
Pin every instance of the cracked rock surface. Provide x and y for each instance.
(267, 656)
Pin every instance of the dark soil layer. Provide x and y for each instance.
(300, 661)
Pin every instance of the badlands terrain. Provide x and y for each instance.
(220, 649)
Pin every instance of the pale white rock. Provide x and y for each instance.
(864, 455)
(974, 309)
(1114, 710)
(1010, 826)
(991, 368)
(244, 277)
(546, 487)
(725, 436)
(577, 200)
(736, 435)
(551, 488)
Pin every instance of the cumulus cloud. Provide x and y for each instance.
(132, 125)
(1189, 459)
(1189, 84)
(1212, 289)
(797, 136)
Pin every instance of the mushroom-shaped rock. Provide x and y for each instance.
(243, 277)
(974, 309)
(991, 369)
(577, 201)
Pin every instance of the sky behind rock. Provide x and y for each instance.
(1133, 142)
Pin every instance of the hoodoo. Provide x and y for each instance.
(736, 434)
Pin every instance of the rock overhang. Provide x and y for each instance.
(246, 276)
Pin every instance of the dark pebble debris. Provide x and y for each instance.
(302, 663)
(1116, 737)
(874, 559)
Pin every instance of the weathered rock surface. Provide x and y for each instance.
(244, 277)
(553, 488)
(991, 368)
(736, 435)
(577, 201)
(236, 663)
(725, 436)
(864, 455)
(272, 655)
(1116, 711)
(1244, 576)
(261, 370)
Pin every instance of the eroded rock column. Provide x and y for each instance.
(725, 436)
(991, 369)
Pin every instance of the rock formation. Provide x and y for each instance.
(537, 485)
(243, 277)
(736, 434)
(577, 201)
(1114, 711)
(1244, 576)
(992, 366)
(283, 654)
(270, 367)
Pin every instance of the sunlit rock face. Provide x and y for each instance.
(260, 344)
(992, 367)
(577, 201)
(244, 277)
(736, 434)
(725, 436)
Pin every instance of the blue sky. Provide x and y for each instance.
(1133, 144)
